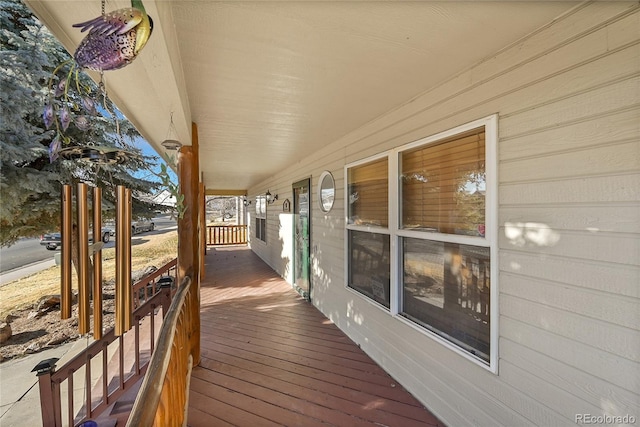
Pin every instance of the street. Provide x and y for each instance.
(23, 252)
(29, 251)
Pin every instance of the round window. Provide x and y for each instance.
(326, 191)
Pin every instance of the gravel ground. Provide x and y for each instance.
(39, 327)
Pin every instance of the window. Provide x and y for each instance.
(369, 265)
(445, 288)
(261, 218)
(326, 191)
(368, 235)
(368, 190)
(438, 232)
(443, 185)
(445, 284)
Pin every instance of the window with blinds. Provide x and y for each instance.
(443, 186)
(430, 257)
(368, 190)
(368, 222)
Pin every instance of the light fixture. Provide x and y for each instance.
(169, 143)
(245, 201)
(45, 366)
(270, 198)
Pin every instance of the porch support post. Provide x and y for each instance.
(188, 232)
(203, 226)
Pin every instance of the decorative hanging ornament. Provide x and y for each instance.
(171, 143)
(115, 39)
(96, 154)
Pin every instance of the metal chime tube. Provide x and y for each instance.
(65, 255)
(123, 261)
(128, 319)
(120, 238)
(97, 264)
(83, 259)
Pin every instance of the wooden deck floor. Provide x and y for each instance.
(269, 358)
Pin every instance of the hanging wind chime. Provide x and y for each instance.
(113, 41)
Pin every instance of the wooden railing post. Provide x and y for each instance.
(50, 405)
(203, 226)
(166, 289)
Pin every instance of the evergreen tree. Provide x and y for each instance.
(30, 182)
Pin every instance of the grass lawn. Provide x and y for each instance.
(146, 250)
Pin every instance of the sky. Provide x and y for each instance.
(147, 150)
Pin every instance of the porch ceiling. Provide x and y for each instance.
(269, 83)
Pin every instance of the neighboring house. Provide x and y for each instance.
(484, 241)
(164, 198)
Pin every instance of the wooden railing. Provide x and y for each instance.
(151, 284)
(226, 234)
(50, 381)
(163, 396)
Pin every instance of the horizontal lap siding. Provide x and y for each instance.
(277, 253)
(569, 169)
(568, 100)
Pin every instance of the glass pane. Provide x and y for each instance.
(368, 188)
(443, 186)
(446, 288)
(327, 192)
(261, 206)
(301, 211)
(261, 228)
(369, 270)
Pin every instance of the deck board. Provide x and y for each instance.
(269, 358)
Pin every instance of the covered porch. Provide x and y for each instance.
(269, 358)
(329, 87)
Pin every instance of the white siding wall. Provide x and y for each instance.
(568, 99)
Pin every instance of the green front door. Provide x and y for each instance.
(301, 237)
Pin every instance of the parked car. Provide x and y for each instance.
(52, 241)
(142, 225)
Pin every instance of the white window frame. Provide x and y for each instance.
(261, 200)
(490, 239)
(370, 229)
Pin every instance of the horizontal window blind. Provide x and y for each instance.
(368, 188)
(443, 185)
